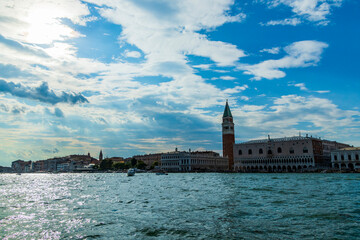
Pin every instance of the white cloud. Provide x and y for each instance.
(166, 31)
(282, 117)
(299, 85)
(228, 78)
(299, 54)
(322, 91)
(287, 21)
(274, 50)
(244, 98)
(311, 10)
(132, 54)
(203, 66)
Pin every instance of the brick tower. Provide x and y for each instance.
(228, 136)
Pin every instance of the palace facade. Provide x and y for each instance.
(289, 154)
(182, 161)
(346, 158)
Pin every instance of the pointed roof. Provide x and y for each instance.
(227, 112)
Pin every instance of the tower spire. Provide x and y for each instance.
(227, 112)
(101, 155)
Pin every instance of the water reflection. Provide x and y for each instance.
(207, 206)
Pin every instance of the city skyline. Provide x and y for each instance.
(146, 76)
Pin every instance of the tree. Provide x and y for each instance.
(141, 165)
(133, 162)
(106, 164)
(156, 163)
(121, 166)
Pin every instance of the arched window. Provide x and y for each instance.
(349, 157)
(279, 150)
(291, 150)
(335, 157)
(342, 157)
(269, 151)
(240, 152)
(260, 151)
(250, 151)
(357, 157)
(305, 150)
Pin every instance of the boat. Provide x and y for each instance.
(131, 172)
(162, 173)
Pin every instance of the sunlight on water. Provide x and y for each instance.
(205, 206)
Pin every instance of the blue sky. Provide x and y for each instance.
(145, 76)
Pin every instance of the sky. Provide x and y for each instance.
(145, 76)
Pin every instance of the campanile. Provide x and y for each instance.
(228, 136)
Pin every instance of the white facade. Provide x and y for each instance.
(193, 161)
(275, 155)
(63, 167)
(287, 154)
(347, 158)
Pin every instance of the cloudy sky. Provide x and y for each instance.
(143, 76)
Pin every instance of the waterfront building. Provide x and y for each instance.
(287, 154)
(182, 161)
(21, 166)
(63, 167)
(228, 136)
(68, 163)
(6, 169)
(149, 159)
(346, 158)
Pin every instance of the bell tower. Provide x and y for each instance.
(228, 136)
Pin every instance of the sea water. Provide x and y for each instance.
(179, 206)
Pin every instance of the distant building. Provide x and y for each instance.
(193, 161)
(149, 159)
(21, 166)
(346, 158)
(228, 136)
(63, 167)
(63, 164)
(287, 154)
(116, 159)
(6, 169)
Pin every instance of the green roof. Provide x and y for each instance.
(227, 112)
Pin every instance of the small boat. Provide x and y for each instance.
(161, 173)
(131, 172)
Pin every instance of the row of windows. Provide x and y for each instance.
(307, 160)
(279, 150)
(193, 161)
(348, 156)
(172, 157)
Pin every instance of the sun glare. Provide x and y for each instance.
(45, 26)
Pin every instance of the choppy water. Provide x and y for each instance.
(178, 206)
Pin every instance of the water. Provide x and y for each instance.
(178, 206)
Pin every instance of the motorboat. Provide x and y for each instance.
(162, 173)
(131, 172)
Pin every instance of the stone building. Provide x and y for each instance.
(346, 158)
(20, 166)
(287, 154)
(182, 161)
(149, 159)
(228, 136)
